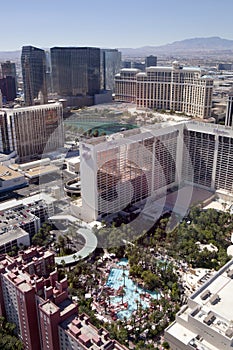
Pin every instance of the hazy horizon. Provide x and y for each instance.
(46, 48)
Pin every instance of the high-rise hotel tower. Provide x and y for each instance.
(183, 89)
(133, 165)
(34, 74)
(31, 131)
(75, 70)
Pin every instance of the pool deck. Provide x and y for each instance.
(133, 294)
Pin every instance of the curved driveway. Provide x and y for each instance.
(86, 232)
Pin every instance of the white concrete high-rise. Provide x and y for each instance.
(130, 166)
(31, 131)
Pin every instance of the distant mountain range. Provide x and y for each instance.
(188, 46)
(191, 46)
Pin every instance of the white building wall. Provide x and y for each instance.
(88, 170)
(173, 88)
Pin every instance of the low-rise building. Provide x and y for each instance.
(10, 179)
(206, 321)
(36, 170)
(73, 164)
(27, 214)
(13, 238)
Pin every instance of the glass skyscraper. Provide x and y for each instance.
(34, 74)
(110, 66)
(75, 70)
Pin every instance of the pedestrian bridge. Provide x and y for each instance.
(82, 229)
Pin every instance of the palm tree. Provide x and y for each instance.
(122, 293)
(124, 275)
(137, 302)
(63, 263)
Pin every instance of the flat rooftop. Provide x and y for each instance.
(73, 160)
(25, 287)
(182, 333)
(31, 108)
(210, 306)
(156, 130)
(14, 214)
(12, 235)
(27, 201)
(221, 286)
(40, 171)
(49, 308)
(188, 337)
(8, 174)
(13, 219)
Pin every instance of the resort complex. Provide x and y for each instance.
(116, 189)
(184, 89)
(120, 248)
(133, 165)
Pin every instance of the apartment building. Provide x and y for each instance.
(31, 131)
(77, 333)
(206, 321)
(133, 165)
(32, 297)
(183, 89)
(17, 290)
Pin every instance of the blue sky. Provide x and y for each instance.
(113, 24)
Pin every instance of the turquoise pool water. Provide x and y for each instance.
(123, 262)
(106, 127)
(134, 295)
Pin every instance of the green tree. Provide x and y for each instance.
(8, 339)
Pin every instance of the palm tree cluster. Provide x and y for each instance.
(8, 339)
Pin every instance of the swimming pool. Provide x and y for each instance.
(133, 295)
(123, 262)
